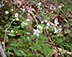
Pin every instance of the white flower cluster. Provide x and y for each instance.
(23, 9)
(60, 6)
(52, 7)
(54, 26)
(57, 30)
(39, 6)
(36, 32)
(56, 22)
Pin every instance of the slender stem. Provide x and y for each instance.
(5, 36)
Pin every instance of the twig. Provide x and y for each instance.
(2, 52)
(6, 34)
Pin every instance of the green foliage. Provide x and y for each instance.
(26, 38)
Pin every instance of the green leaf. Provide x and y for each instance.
(11, 34)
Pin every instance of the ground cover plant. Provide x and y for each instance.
(36, 28)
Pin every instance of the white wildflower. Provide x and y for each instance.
(12, 9)
(56, 22)
(27, 19)
(39, 3)
(28, 14)
(16, 14)
(13, 19)
(40, 27)
(42, 22)
(40, 8)
(6, 1)
(60, 28)
(55, 30)
(3, 42)
(63, 5)
(23, 9)
(36, 32)
(54, 7)
(51, 12)
(12, 31)
(45, 20)
(48, 24)
(60, 7)
(6, 12)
